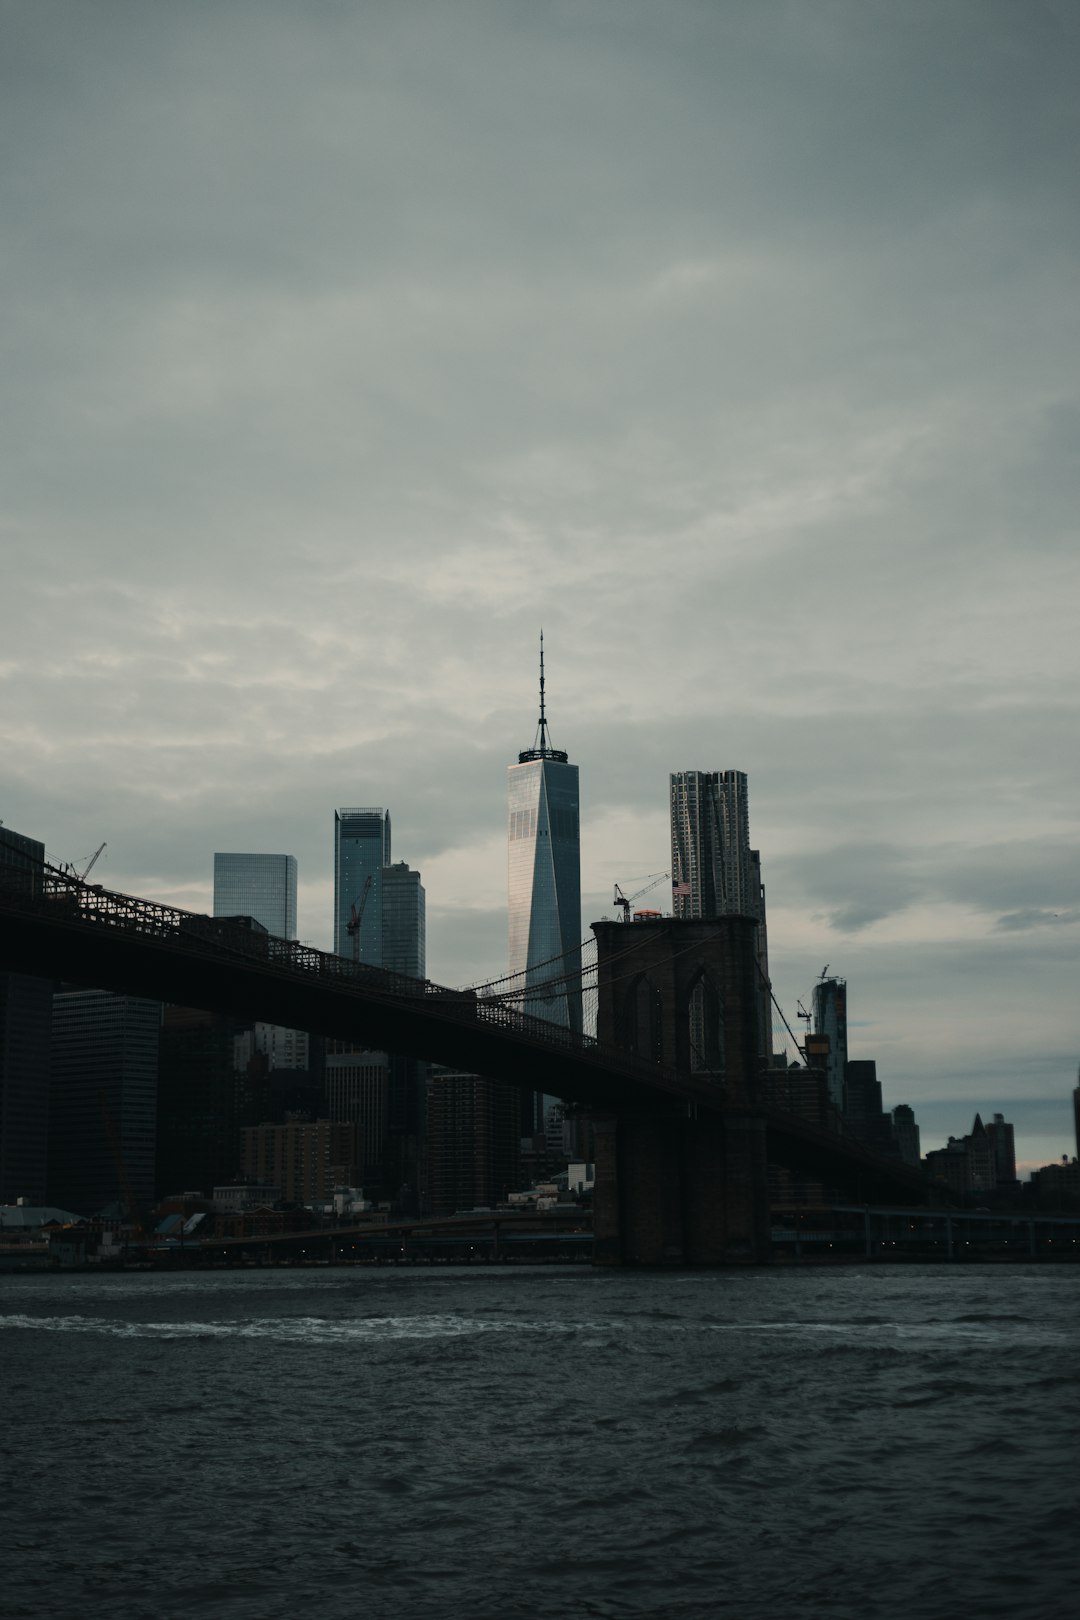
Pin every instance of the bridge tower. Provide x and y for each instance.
(676, 1183)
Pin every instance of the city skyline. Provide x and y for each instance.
(754, 381)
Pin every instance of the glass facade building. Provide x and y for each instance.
(259, 886)
(361, 850)
(404, 922)
(544, 882)
(544, 873)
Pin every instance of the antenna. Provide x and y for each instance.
(541, 748)
(543, 718)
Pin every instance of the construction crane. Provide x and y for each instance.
(71, 870)
(92, 862)
(627, 901)
(356, 917)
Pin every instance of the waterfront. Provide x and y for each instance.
(393, 1443)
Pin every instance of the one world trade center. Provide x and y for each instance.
(544, 868)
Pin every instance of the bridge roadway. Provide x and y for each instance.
(60, 928)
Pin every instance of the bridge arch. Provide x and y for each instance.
(641, 1019)
(702, 1010)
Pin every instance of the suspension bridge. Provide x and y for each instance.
(682, 1148)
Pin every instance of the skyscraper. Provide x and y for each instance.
(544, 872)
(715, 873)
(830, 1018)
(404, 927)
(361, 850)
(259, 886)
(711, 868)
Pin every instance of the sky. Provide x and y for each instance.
(345, 345)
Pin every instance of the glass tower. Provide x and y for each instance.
(403, 921)
(544, 872)
(259, 886)
(361, 850)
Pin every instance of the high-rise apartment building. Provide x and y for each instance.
(544, 873)
(25, 1032)
(259, 886)
(712, 873)
(715, 873)
(361, 851)
(830, 1019)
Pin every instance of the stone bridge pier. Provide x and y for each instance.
(682, 1184)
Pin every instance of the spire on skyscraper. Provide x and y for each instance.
(541, 748)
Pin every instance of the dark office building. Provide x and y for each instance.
(103, 1100)
(906, 1134)
(25, 1031)
(864, 1117)
(473, 1140)
(212, 1084)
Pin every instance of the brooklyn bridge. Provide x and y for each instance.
(683, 1142)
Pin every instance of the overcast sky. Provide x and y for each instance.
(345, 344)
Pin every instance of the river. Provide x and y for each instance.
(503, 1443)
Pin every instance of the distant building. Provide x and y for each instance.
(544, 873)
(473, 1140)
(1003, 1150)
(361, 851)
(25, 1034)
(305, 1159)
(388, 902)
(906, 1134)
(212, 1082)
(864, 1117)
(969, 1164)
(715, 873)
(103, 1099)
(356, 1088)
(544, 887)
(1057, 1186)
(830, 1018)
(711, 869)
(404, 924)
(259, 886)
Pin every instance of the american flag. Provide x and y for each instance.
(679, 888)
